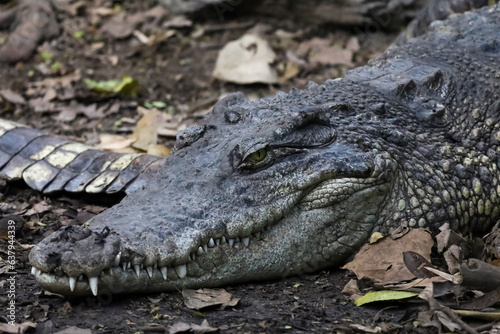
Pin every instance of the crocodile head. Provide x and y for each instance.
(261, 190)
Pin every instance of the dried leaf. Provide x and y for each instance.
(389, 266)
(114, 143)
(39, 208)
(447, 322)
(245, 61)
(75, 330)
(351, 288)
(198, 299)
(146, 131)
(181, 327)
(12, 97)
(416, 264)
(447, 237)
(320, 51)
(119, 26)
(487, 300)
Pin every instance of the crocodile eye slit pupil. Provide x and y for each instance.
(258, 155)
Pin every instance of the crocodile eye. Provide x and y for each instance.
(258, 155)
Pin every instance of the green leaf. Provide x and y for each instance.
(297, 285)
(56, 66)
(376, 296)
(127, 86)
(159, 104)
(46, 55)
(79, 34)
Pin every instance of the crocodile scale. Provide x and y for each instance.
(51, 164)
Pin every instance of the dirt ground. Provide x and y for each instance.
(178, 72)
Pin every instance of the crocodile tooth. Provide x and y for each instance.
(129, 265)
(137, 269)
(211, 243)
(163, 271)
(33, 270)
(124, 266)
(257, 235)
(149, 269)
(245, 240)
(217, 242)
(231, 242)
(199, 251)
(192, 256)
(93, 285)
(38, 272)
(181, 270)
(117, 259)
(72, 283)
(224, 239)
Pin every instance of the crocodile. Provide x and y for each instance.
(298, 182)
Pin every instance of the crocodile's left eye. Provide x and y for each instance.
(258, 158)
(258, 155)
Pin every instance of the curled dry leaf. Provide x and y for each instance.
(182, 327)
(245, 61)
(383, 261)
(198, 299)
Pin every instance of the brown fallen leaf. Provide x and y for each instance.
(198, 299)
(39, 208)
(416, 264)
(115, 143)
(119, 26)
(12, 97)
(182, 327)
(448, 237)
(321, 51)
(389, 265)
(146, 131)
(486, 300)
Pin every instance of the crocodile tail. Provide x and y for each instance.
(439, 10)
(51, 164)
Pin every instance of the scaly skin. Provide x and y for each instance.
(299, 182)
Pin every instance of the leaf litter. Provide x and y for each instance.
(449, 293)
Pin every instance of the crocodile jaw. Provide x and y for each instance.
(289, 247)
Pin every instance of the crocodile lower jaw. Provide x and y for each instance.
(138, 278)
